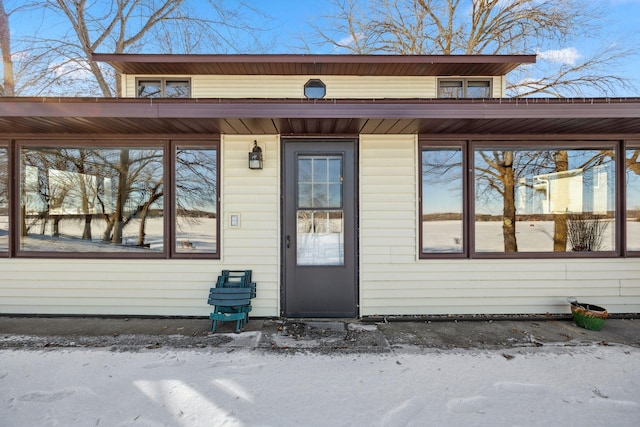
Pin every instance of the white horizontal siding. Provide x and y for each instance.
(255, 196)
(393, 281)
(497, 87)
(77, 286)
(338, 87)
(368, 87)
(121, 287)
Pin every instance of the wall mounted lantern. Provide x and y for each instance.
(255, 157)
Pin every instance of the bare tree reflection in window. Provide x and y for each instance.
(196, 199)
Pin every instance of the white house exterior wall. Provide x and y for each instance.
(255, 196)
(338, 87)
(393, 281)
(175, 287)
(117, 287)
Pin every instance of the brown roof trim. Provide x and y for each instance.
(293, 64)
(321, 108)
(534, 117)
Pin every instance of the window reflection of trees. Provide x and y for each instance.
(4, 199)
(82, 193)
(196, 199)
(442, 200)
(632, 175)
(526, 199)
(577, 186)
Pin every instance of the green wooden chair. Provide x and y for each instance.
(231, 298)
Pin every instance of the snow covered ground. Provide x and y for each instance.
(557, 386)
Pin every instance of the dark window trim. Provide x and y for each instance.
(171, 224)
(425, 144)
(6, 144)
(538, 142)
(163, 84)
(167, 144)
(622, 176)
(315, 84)
(465, 82)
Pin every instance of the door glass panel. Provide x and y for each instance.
(320, 236)
(319, 196)
(319, 170)
(304, 170)
(320, 182)
(335, 195)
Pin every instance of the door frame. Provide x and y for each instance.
(356, 211)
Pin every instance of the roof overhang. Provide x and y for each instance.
(352, 65)
(319, 117)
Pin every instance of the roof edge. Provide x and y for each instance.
(311, 58)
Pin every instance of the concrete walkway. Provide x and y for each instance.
(310, 335)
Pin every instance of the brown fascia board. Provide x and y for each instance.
(513, 108)
(295, 64)
(311, 59)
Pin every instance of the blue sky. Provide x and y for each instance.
(622, 25)
(289, 20)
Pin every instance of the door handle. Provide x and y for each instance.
(288, 241)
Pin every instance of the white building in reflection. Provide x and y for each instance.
(573, 191)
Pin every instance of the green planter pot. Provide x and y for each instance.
(588, 316)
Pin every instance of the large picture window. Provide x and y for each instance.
(91, 199)
(527, 198)
(108, 199)
(555, 199)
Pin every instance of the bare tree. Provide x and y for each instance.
(500, 176)
(60, 63)
(560, 232)
(487, 27)
(483, 27)
(5, 45)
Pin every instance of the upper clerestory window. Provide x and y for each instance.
(163, 88)
(464, 88)
(315, 89)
